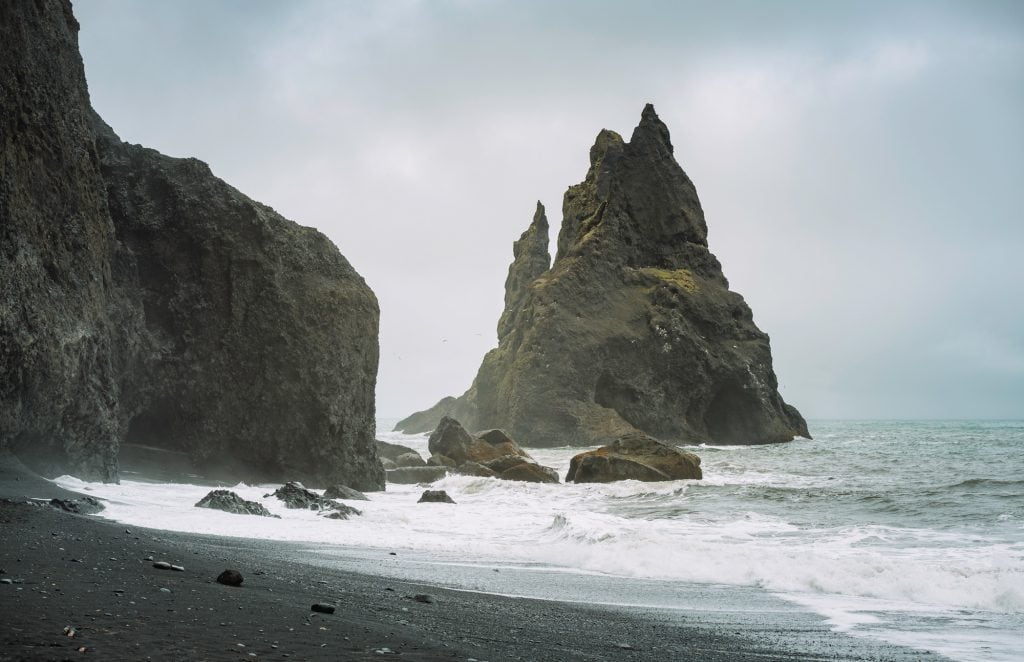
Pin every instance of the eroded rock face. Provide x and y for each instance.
(144, 300)
(633, 457)
(633, 328)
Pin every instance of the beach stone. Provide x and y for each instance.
(344, 492)
(6, 581)
(412, 459)
(413, 475)
(424, 598)
(230, 502)
(85, 505)
(435, 496)
(322, 608)
(162, 565)
(634, 457)
(230, 578)
(178, 568)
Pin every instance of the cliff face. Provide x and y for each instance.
(633, 328)
(145, 301)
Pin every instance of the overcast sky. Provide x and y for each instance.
(860, 164)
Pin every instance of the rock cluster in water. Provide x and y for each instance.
(144, 300)
(632, 328)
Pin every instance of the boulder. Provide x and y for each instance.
(412, 459)
(530, 472)
(632, 327)
(230, 502)
(452, 440)
(438, 460)
(344, 492)
(392, 451)
(296, 496)
(634, 457)
(388, 464)
(230, 578)
(474, 469)
(435, 496)
(413, 475)
(149, 303)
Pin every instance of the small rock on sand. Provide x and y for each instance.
(322, 608)
(162, 565)
(230, 578)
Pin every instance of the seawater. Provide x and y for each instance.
(909, 532)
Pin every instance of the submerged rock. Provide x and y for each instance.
(435, 496)
(633, 457)
(344, 492)
(230, 502)
(297, 497)
(633, 327)
(414, 475)
(157, 305)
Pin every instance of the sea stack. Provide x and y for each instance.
(632, 329)
(145, 301)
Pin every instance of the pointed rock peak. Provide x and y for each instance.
(531, 261)
(606, 140)
(540, 219)
(651, 127)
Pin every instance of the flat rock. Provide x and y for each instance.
(85, 505)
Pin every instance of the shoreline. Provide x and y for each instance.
(91, 574)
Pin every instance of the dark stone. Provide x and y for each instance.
(435, 496)
(391, 451)
(633, 328)
(297, 497)
(162, 565)
(230, 578)
(413, 475)
(342, 513)
(344, 492)
(85, 505)
(634, 457)
(424, 598)
(230, 502)
(155, 305)
(412, 459)
(322, 608)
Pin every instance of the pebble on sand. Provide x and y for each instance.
(323, 608)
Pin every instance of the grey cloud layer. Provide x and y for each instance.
(859, 163)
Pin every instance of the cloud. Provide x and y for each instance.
(859, 165)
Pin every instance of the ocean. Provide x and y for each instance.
(910, 532)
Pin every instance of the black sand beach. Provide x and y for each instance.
(82, 574)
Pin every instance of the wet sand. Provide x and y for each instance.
(95, 577)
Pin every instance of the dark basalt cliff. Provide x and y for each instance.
(144, 301)
(633, 328)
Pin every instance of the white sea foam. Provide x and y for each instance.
(903, 583)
